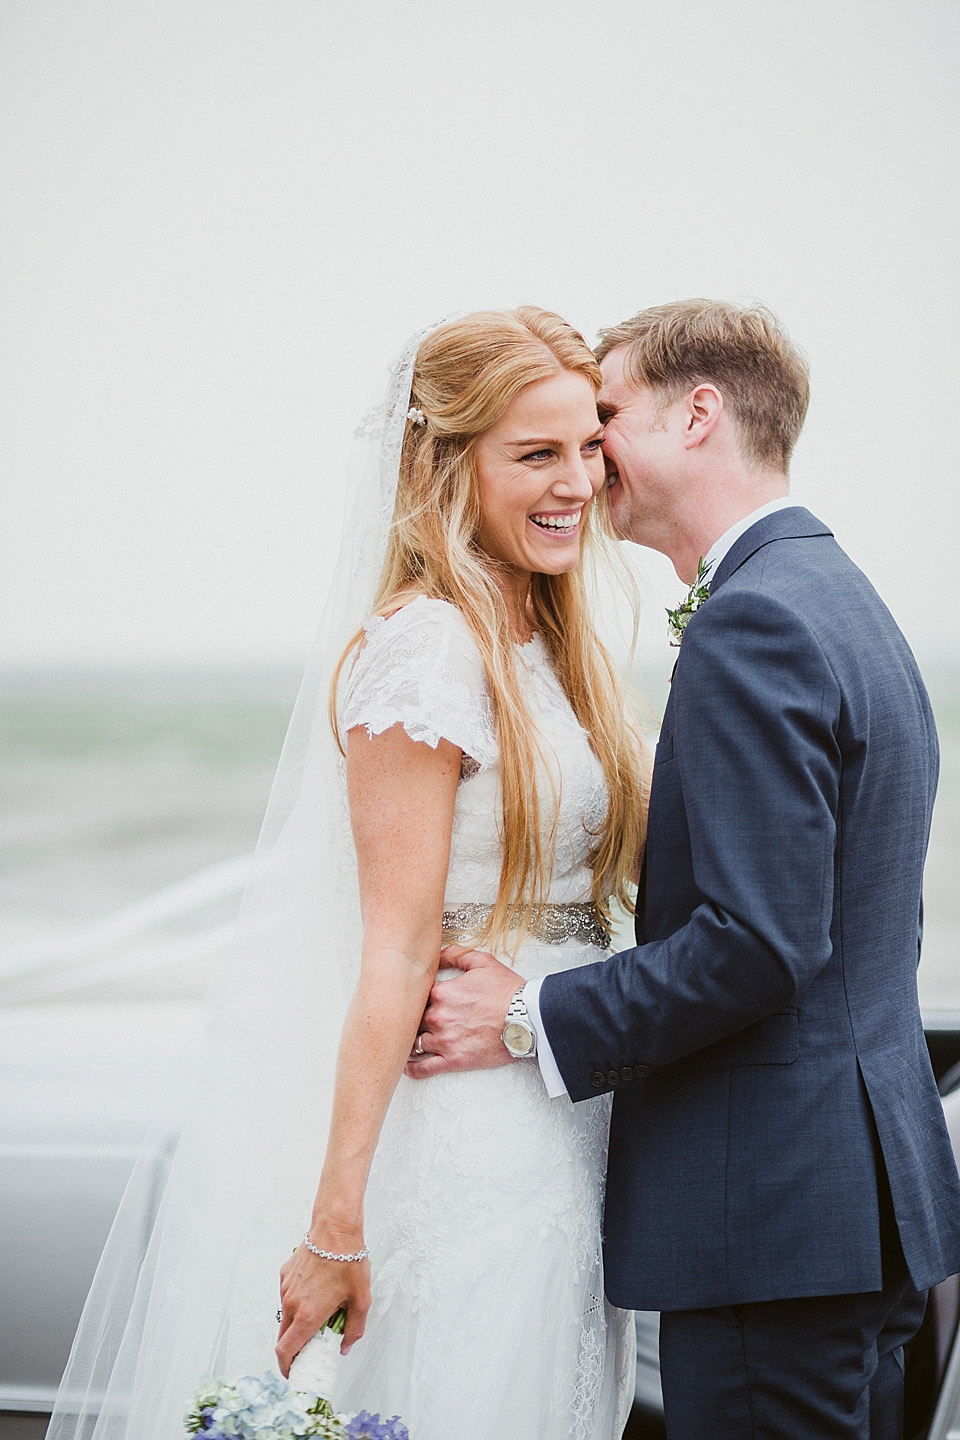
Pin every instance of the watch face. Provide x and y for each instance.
(518, 1038)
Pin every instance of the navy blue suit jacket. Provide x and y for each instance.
(764, 1038)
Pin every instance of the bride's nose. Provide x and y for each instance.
(575, 481)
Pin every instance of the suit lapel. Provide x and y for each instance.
(640, 909)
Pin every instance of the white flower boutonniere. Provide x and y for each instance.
(699, 592)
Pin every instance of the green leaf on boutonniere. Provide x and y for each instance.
(699, 591)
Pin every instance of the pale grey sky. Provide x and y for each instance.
(220, 218)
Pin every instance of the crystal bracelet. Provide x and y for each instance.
(329, 1255)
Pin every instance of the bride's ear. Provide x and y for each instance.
(703, 407)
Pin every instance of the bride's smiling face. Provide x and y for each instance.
(538, 470)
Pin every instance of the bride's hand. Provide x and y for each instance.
(312, 1290)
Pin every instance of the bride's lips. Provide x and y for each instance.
(557, 522)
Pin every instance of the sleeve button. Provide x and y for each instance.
(613, 1076)
(626, 1073)
(598, 1079)
(641, 1070)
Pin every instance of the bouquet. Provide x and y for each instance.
(267, 1407)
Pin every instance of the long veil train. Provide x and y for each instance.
(197, 1296)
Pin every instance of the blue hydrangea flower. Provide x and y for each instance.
(266, 1407)
(261, 1407)
(364, 1426)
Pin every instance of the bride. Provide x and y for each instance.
(495, 795)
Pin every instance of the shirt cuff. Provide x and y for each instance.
(549, 1071)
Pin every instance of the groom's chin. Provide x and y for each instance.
(621, 527)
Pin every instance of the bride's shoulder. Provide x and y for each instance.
(418, 638)
(419, 622)
(418, 665)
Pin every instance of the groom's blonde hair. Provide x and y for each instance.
(742, 349)
(466, 374)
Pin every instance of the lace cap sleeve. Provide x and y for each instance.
(420, 668)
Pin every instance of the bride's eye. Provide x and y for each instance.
(593, 446)
(537, 455)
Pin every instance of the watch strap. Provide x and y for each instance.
(517, 1014)
(517, 1009)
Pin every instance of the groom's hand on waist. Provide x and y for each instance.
(465, 1015)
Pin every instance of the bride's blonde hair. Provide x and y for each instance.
(466, 374)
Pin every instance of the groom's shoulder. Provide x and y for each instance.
(801, 579)
(794, 556)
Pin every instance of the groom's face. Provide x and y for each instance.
(640, 451)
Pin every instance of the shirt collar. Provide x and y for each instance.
(719, 548)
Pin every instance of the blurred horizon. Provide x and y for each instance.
(119, 785)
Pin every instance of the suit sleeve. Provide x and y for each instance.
(755, 712)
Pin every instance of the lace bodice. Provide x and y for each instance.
(421, 668)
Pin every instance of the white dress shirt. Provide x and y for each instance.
(549, 1070)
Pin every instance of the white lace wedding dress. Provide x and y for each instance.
(484, 1207)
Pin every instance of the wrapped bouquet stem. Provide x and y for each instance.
(314, 1370)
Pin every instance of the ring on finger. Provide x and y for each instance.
(418, 1046)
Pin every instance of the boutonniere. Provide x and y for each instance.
(699, 591)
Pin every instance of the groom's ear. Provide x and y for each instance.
(702, 408)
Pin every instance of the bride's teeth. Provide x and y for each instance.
(556, 522)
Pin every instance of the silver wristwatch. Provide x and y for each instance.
(519, 1035)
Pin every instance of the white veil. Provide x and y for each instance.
(196, 1296)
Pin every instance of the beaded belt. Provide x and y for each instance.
(554, 925)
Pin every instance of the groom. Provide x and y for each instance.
(781, 1185)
